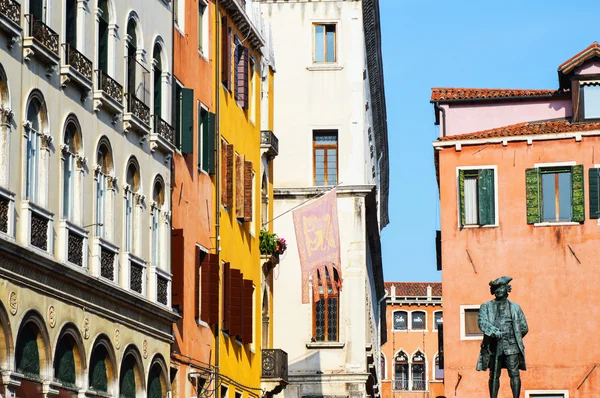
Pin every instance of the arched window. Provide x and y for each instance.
(131, 54)
(102, 40)
(382, 367)
(37, 8)
(71, 23)
(400, 320)
(68, 364)
(102, 367)
(264, 193)
(72, 168)
(104, 190)
(326, 309)
(157, 81)
(401, 371)
(418, 320)
(131, 380)
(418, 372)
(131, 191)
(156, 385)
(37, 141)
(158, 198)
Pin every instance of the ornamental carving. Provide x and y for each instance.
(12, 10)
(161, 290)
(75, 249)
(136, 277)
(107, 261)
(13, 303)
(117, 339)
(51, 316)
(79, 62)
(110, 87)
(145, 349)
(86, 328)
(39, 231)
(4, 207)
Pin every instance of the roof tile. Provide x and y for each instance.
(457, 94)
(527, 128)
(415, 289)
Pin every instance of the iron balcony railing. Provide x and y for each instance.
(164, 129)
(401, 384)
(274, 364)
(42, 33)
(418, 385)
(110, 86)
(11, 9)
(269, 140)
(137, 108)
(78, 61)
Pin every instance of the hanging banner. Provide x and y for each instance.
(318, 239)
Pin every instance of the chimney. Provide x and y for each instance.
(429, 290)
(393, 291)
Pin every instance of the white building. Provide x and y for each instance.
(85, 149)
(330, 119)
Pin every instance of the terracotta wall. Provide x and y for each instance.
(555, 271)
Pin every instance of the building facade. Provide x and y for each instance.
(85, 212)
(330, 121)
(223, 107)
(410, 359)
(518, 182)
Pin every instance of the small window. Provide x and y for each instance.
(325, 157)
(177, 97)
(561, 191)
(590, 99)
(324, 43)
(418, 372)
(202, 28)
(438, 373)
(400, 320)
(469, 324)
(401, 372)
(549, 394)
(477, 201)
(419, 320)
(438, 319)
(326, 310)
(179, 13)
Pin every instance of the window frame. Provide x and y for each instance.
(435, 325)
(202, 29)
(411, 378)
(436, 362)
(202, 129)
(325, 148)
(325, 48)
(425, 329)
(326, 317)
(394, 372)
(581, 99)
(394, 321)
(463, 333)
(556, 165)
(177, 113)
(541, 393)
(179, 15)
(496, 201)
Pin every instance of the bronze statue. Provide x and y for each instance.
(504, 326)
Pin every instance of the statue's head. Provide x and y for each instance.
(501, 287)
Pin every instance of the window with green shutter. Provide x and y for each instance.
(154, 384)
(555, 194)
(187, 121)
(477, 197)
(594, 193)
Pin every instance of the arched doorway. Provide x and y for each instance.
(31, 354)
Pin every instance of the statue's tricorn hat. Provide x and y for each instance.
(503, 280)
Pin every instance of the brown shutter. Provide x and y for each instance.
(177, 268)
(229, 178)
(247, 315)
(223, 173)
(248, 191)
(209, 290)
(239, 186)
(245, 78)
(197, 284)
(236, 302)
(225, 53)
(226, 297)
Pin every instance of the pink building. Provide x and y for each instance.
(518, 174)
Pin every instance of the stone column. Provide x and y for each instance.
(46, 140)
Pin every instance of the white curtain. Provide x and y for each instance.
(471, 210)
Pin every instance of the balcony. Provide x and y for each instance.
(274, 376)
(134, 274)
(105, 259)
(163, 136)
(7, 213)
(401, 384)
(108, 94)
(10, 20)
(269, 143)
(162, 286)
(76, 68)
(41, 42)
(73, 246)
(36, 227)
(137, 115)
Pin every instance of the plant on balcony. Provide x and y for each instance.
(271, 244)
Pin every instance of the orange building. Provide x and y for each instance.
(518, 179)
(410, 357)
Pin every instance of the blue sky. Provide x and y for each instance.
(435, 43)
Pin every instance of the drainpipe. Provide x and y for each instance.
(217, 393)
(441, 109)
(378, 364)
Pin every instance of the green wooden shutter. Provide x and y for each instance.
(127, 385)
(98, 376)
(71, 23)
(36, 7)
(594, 194)
(487, 208)
(533, 195)
(187, 121)
(154, 385)
(28, 356)
(461, 196)
(64, 361)
(208, 147)
(577, 197)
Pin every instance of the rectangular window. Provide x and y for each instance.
(477, 198)
(225, 54)
(438, 320)
(439, 373)
(590, 99)
(400, 320)
(177, 95)
(179, 13)
(468, 323)
(100, 204)
(224, 392)
(325, 312)
(546, 394)
(419, 320)
(202, 28)
(203, 134)
(324, 42)
(128, 221)
(68, 167)
(155, 238)
(325, 157)
(555, 194)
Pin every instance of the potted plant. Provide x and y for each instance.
(271, 244)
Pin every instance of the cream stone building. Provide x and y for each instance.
(330, 119)
(85, 150)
